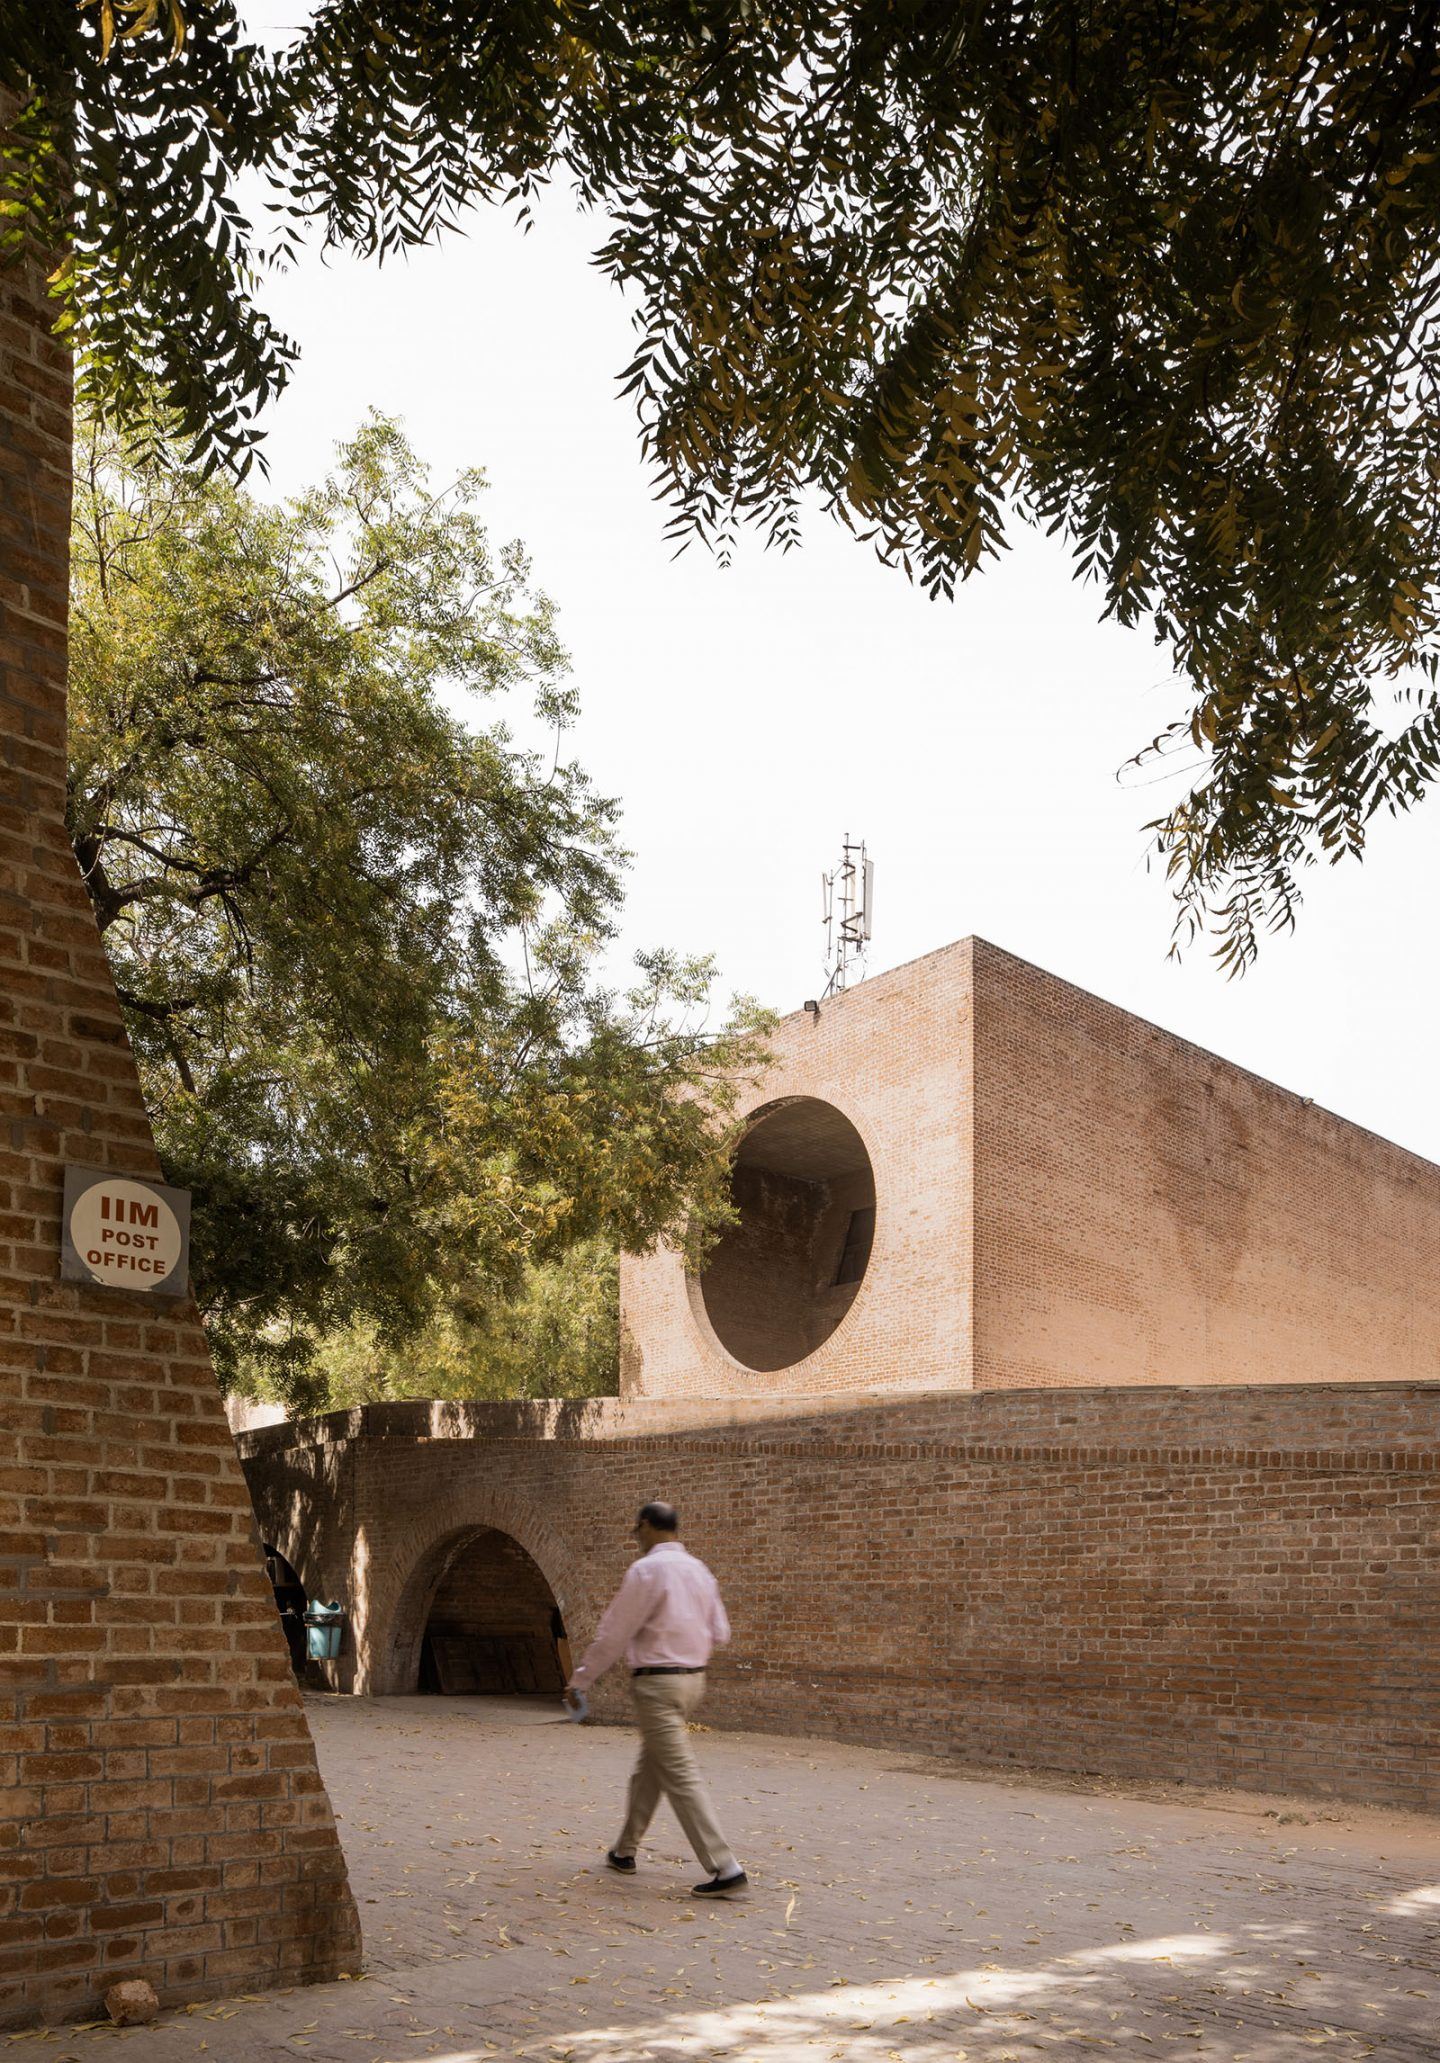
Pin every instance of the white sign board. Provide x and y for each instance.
(124, 1233)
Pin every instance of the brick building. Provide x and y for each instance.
(1029, 1411)
(162, 1814)
(968, 1174)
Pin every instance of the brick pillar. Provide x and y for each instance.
(162, 1814)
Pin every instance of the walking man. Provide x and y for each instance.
(665, 1618)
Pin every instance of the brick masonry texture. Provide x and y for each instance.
(894, 1056)
(1221, 1585)
(1149, 1213)
(162, 1814)
(1067, 1195)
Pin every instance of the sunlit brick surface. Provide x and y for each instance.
(1066, 1196)
(895, 1057)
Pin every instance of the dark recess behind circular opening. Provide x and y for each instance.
(778, 1283)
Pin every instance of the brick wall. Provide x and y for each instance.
(162, 1813)
(1148, 1213)
(894, 1057)
(1232, 1586)
(1067, 1195)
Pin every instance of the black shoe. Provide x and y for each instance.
(624, 1863)
(722, 1887)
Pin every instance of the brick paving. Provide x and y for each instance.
(903, 1911)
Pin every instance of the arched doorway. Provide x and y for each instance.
(492, 1626)
(290, 1602)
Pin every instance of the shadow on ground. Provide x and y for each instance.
(901, 1913)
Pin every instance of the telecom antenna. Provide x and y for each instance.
(849, 903)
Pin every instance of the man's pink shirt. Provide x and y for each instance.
(666, 1614)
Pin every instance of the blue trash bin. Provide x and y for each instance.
(323, 1627)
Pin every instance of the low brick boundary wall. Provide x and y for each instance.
(1236, 1586)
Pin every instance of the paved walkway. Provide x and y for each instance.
(902, 1913)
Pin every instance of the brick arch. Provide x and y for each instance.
(398, 1586)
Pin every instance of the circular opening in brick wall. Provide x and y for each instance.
(779, 1281)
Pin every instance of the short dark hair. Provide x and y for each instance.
(663, 1517)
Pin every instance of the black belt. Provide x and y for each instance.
(671, 1669)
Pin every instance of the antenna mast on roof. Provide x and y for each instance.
(849, 902)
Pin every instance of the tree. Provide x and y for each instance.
(354, 937)
(1162, 279)
(556, 1335)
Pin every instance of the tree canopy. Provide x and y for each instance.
(555, 1334)
(355, 936)
(1162, 279)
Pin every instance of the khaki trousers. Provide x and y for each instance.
(666, 1768)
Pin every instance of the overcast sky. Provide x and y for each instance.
(749, 717)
